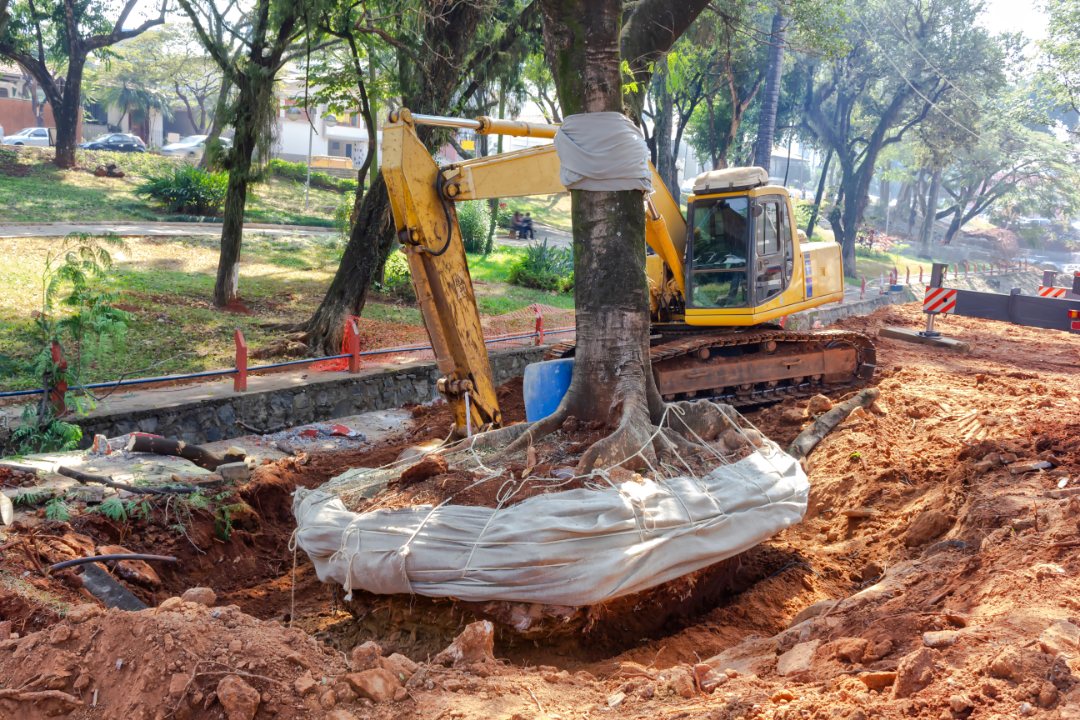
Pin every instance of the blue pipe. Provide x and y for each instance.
(256, 368)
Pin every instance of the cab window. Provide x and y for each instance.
(718, 248)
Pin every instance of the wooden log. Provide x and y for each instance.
(178, 448)
(811, 436)
(85, 478)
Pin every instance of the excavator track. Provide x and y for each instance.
(685, 354)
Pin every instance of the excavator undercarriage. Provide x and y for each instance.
(751, 366)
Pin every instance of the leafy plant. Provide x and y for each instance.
(188, 189)
(343, 217)
(77, 324)
(113, 508)
(298, 171)
(32, 498)
(397, 280)
(544, 267)
(57, 509)
(474, 219)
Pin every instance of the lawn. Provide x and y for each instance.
(166, 284)
(553, 210)
(32, 189)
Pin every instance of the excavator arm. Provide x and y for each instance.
(422, 196)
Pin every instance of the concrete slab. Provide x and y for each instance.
(913, 336)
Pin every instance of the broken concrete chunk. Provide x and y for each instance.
(234, 471)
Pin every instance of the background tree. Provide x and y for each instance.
(771, 100)
(445, 49)
(44, 34)
(271, 34)
(905, 59)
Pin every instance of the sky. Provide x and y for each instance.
(1012, 15)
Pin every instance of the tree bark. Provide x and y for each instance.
(771, 101)
(665, 162)
(612, 380)
(217, 124)
(820, 194)
(227, 284)
(926, 236)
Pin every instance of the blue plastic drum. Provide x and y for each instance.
(544, 385)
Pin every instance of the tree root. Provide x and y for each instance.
(811, 436)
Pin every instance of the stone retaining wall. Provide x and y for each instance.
(319, 400)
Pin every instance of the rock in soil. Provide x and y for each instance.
(240, 700)
(430, 466)
(914, 672)
(200, 595)
(475, 645)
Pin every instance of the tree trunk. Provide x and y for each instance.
(769, 103)
(490, 244)
(665, 161)
(820, 194)
(916, 192)
(883, 195)
(926, 236)
(226, 287)
(67, 115)
(612, 380)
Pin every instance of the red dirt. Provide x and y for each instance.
(920, 468)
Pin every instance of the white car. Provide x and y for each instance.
(29, 136)
(191, 146)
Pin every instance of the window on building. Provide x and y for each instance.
(335, 145)
(3, 92)
(354, 120)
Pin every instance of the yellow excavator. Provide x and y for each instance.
(721, 279)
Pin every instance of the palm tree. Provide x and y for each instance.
(769, 103)
(133, 99)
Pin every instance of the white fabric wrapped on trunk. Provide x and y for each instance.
(577, 547)
(602, 151)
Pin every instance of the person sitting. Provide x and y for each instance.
(515, 224)
(527, 228)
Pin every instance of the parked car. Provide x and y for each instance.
(115, 142)
(29, 136)
(191, 146)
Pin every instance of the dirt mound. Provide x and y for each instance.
(161, 661)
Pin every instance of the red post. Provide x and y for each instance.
(907, 281)
(352, 335)
(965, 268)
(862, 293)
(956, 270)
(920, 274)
(58, 391)
(539, 324)
(240, 379)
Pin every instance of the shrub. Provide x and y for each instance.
(474, 219)
(397, 281)
(298, 171)
(187, 189)
(343, 217)
(544, 268)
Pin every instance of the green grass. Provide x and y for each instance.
(872, 263)
(46, 193)
(553, 210)
(166, 283)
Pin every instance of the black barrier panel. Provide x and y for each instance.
(1027, 310)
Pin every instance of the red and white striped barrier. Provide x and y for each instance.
(939, 300)
(1052, 292)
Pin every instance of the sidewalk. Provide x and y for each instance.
(554, 236)
(137, 229)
